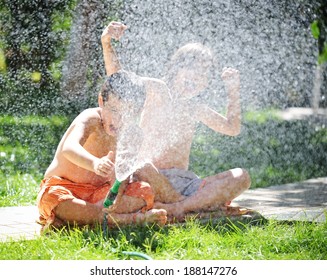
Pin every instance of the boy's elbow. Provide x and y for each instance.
(235, 127)
(66, 150)
(235, 131)
(65, 153)
(238, 131)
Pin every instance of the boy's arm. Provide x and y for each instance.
(113, 31)
(74, 151)
(231, 124)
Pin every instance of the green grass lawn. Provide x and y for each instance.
(18, 189)
(192, 241)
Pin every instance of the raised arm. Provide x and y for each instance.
(113, 31)
(231, 123)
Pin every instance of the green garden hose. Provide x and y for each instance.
(109, 200)
(137, 254)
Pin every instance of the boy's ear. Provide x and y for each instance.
(100, 100)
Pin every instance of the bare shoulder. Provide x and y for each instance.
(156, 88)
(89, 117)
(154, 83)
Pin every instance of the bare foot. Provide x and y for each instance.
(157, 216)
(173, 209)
(56, 224)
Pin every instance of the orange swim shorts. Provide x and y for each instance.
(55, 189)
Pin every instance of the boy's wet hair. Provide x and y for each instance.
(192, 56)
(126, 86)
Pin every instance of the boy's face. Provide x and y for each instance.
(190, 82)
(115, 113)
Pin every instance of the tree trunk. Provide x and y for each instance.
(84, 50)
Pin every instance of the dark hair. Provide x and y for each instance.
(126, 86)
(189, 56)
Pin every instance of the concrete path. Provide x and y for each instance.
(303, 201)
(18, 222)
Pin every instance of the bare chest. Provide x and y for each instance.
(99, 144)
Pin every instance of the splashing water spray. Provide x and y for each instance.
(125, 164)
(126, 159)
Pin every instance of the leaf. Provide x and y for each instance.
(323, 56)
(315, 29)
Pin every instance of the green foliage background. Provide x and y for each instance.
(34, 37)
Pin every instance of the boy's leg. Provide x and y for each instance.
(163, 190)
(127, 204)
(132, 197)
(157, 216)
(79, 211)
(238, 181)
(217, 191)
(83, 213)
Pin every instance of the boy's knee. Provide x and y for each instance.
(147, 170)
(242, 175)
(129, 204)
(246, 178)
